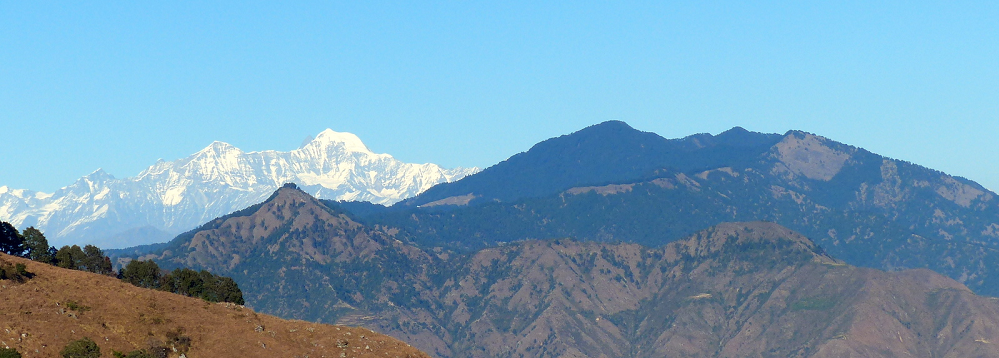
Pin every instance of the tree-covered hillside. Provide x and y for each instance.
(867, 209)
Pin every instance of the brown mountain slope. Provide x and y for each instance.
(56, 306)
(295, 257)
(739, 289)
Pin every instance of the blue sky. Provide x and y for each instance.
(120, 85)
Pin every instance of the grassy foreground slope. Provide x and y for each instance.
(56, 306)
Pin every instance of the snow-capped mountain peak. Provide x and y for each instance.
(170, 197)
(98, 175)
(218, 147)
(345, 140)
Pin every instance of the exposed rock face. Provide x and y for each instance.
(602, 190)
(887, 193)
(960, 193)
(738, 289)
(458, 200)
(808, 155)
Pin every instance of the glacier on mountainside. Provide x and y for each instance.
(171, 197)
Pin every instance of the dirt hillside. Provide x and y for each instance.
(56, 306)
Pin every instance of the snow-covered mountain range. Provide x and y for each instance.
(171, 197)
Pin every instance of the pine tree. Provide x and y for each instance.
(37, 246)
(71, 257)
(11, 241)
(95, 261)
(142, 273)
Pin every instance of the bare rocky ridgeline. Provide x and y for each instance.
(737, 289)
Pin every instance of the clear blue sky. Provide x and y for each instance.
(87, 85)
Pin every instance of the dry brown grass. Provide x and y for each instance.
(36, 319)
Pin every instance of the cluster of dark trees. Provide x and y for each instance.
(182, 281)
(32, 244)
(87, 348)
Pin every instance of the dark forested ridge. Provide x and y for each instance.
(867, 209)
(604, 153)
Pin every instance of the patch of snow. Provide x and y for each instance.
(102, 194)
(173, 196)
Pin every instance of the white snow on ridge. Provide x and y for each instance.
(171, 197)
